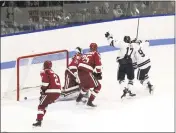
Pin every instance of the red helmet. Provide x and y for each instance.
(47, 64)
(93, 47)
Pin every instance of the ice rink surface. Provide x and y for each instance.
(143, 113)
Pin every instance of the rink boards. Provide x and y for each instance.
(159, 30)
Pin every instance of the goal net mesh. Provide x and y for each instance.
(26, 80)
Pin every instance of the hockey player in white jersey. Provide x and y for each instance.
(125, 62)
(143, 63)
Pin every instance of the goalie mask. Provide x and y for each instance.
(47, 64)
(78, 50)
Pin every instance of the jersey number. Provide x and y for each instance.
(56, 80)
(127, 55)
(141, 53)
(86, 58)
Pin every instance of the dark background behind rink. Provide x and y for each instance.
(20, 16)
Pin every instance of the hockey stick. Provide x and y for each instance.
(137, 24)
(66, 93)
(72, 88)
(137, 29)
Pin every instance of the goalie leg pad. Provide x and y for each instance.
(71, 90)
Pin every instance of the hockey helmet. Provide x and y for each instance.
(47, 64)
(127, 39)
(93, 47)
(78, 50)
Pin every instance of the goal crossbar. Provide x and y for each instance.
(36, 55)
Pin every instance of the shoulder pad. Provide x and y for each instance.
(49, 71)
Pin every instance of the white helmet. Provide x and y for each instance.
(78, 50)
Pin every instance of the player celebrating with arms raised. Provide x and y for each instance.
(143, 63)
(125, 60)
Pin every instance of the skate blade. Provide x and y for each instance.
(131, 97)
(81, 102)
(90, 107)
(127, 97)
(36, 127)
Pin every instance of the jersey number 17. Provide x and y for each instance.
(128, 52)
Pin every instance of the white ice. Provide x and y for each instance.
(144, 113)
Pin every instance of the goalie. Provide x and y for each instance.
(71, 85)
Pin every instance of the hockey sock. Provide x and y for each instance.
(41, 112)
(93, 95)
(81, 95)
(130, 84)
(122, 84)
(146, 82)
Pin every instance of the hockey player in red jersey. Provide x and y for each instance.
(71, 74)
(50, 90)
(89, 72)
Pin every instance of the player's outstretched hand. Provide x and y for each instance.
(107, 34)
(109, 38)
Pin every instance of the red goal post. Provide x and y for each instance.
(53, 56)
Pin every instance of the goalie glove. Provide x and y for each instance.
(98, 76)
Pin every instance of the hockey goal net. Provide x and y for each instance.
(27, 78)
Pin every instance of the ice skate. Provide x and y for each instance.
(90, 104)
(37, 124)
(127, 91)
(131, 94)
(80, 99)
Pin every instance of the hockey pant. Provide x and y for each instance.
(88, 81)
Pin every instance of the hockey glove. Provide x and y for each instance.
(42, 91)
(107, 34)
(136, 41)
(98, 76)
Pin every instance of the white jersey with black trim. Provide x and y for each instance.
(125, 48)
(141, 55)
